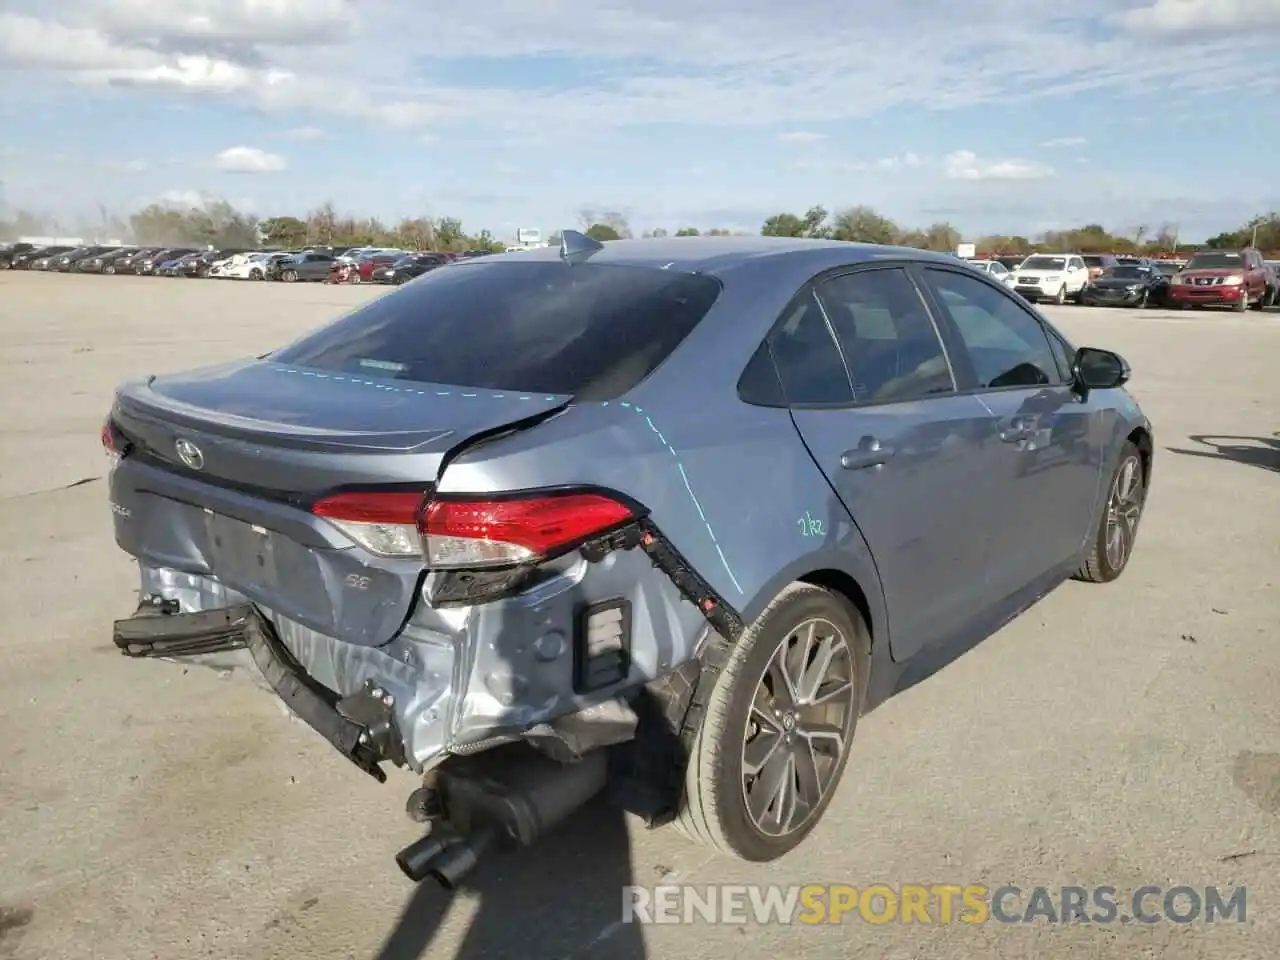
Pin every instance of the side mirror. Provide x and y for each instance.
(1097, 369)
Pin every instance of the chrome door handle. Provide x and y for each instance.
(870, 453)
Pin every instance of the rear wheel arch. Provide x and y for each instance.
(844, 585)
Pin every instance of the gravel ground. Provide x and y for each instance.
(1115, 735)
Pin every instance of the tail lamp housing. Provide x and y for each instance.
(452, 532)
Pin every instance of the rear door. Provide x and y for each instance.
(909, 457)
(1048, 437)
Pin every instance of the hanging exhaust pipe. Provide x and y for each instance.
(513, 792)
(415, 860)
(459, 859)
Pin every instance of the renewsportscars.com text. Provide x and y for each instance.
(816, 904)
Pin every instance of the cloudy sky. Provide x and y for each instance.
(1009, 115)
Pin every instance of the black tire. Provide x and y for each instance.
(1061, 296)
(1101, 565)
(109, 270)
(714, 810)
(255, 274)
(1145, 300)
(289, 276)
(1243, 303)
(1261, 302)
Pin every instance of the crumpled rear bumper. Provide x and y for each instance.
(416, 676)
(360, 727)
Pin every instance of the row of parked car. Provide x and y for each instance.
(1239, 279)
(327, 264)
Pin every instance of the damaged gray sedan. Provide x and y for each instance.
(655, 518)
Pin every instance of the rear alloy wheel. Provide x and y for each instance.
(778, 726)
(1112, 544)
(1061, 296)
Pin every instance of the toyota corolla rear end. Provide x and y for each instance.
(287, 512)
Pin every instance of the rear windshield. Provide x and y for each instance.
(591, 330)
(1214, 261)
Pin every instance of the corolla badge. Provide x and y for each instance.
(190, 454)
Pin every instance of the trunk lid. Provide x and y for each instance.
(268, 438)
(260, 424)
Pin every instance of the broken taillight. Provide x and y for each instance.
(451, 532)
(114, 445)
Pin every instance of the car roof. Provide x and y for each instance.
(718, 255)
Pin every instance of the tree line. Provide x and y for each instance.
(218, 223)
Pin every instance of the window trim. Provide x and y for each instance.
(973, 387)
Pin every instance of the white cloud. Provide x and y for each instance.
(285, 22)
(1060, 142)
(1175, 17)
(303, 134)
(183, 198)
(966, 165)
(721, 62)
(249, 160)
(802, 136)
(901, 161)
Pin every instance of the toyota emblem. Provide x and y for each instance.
(190, 454)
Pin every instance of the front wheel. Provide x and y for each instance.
(778, 727)
(1263, 300)
(355, 277)
(1243, 303)
(1112, 543)
(1144, 301)
(1061, 296)
(289, 276)
(255, 274)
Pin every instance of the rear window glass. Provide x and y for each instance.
(591, 330)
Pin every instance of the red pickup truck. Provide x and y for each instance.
(1221, 278)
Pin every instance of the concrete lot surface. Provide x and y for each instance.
(1117, 735)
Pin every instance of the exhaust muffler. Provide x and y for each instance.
(512, 792)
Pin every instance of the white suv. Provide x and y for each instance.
(995, 270)
(1051, 276)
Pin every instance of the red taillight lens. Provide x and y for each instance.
(383, 522)
(470, 532)
(113, 444)
(483, 533)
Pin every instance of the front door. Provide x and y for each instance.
(908, 456)
(1049, 437)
